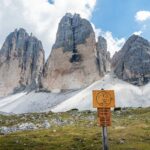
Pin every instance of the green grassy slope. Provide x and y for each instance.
(130, 130)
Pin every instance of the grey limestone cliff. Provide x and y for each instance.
(103, 56)
(72, 30)
(132, 62)
(21, 62)
(73, 63)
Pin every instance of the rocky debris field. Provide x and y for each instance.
(75, 130)
(34, 121)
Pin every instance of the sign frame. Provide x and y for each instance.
(103, 98)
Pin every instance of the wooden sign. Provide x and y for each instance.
(103, 99)
(104, 123)
(103, 112)
(104, 115)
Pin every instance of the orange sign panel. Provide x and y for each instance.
(104, 115)
(103, 98)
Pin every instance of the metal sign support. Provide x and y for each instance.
(105, 139)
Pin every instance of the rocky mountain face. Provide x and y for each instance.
(76, 59)
(21, 62)
(74, 62)
(132, 62)
(103, 56)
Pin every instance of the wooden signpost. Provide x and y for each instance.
(103, 100)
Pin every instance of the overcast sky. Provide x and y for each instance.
(116, 20)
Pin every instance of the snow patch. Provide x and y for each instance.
(33, 101)
(127, 95)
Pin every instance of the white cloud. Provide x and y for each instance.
(39, 17)
(114, 44)
(143, 20)
(138, 32)
(142, 15)
(97, 31)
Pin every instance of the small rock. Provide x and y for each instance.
(4, 130)
(27, 126)
(46, 124)
(122, 141)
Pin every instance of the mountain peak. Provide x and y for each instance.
(73, 63)
(72, 30)
(21, 30)
(132, 62)
(136, 40)
(70, 15)
(21, 61)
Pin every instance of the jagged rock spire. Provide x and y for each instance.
(72, 63)
(21, 61)
(132, 62)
